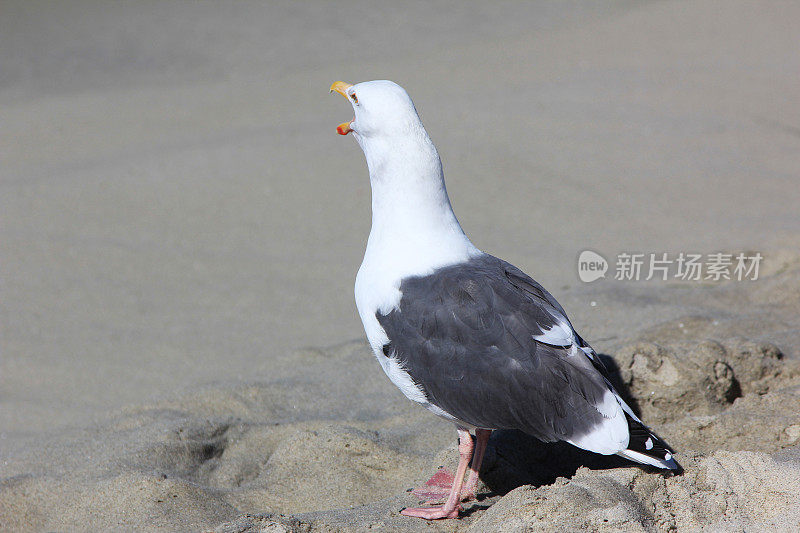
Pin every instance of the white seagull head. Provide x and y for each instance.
(382, 109)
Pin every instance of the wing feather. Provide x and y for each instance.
(474, 337)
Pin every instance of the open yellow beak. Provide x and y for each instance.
(341, 88)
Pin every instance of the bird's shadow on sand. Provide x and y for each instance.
(514, 458)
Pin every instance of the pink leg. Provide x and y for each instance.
(451, 507)
(481, 439)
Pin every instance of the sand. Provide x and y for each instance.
(181, 228)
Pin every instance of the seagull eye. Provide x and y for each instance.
(354, 97)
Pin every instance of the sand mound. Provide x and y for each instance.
(285, 444)
(724, 491)
(709, 394)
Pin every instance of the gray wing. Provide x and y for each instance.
(467, 335)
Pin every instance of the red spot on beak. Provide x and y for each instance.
(344, 128)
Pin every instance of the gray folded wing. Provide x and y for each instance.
(467, 335)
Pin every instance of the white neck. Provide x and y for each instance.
(414, 230)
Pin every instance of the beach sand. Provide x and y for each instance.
(181, 226)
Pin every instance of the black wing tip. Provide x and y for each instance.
(667, 463)
(671, 465)
(677, 469)
(646, 447)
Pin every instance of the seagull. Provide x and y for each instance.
(469, 336)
